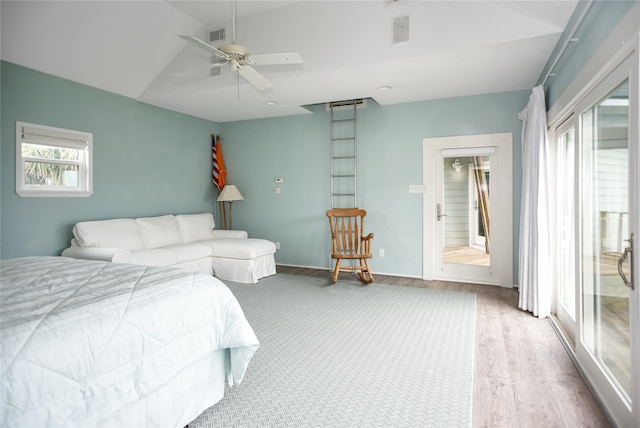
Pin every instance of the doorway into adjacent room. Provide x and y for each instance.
(467, 209)
(467, 201)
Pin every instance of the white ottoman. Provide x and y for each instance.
(242, 260)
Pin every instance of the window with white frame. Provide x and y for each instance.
(53, 162)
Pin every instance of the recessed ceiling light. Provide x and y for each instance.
(271, 103)
(384, 88)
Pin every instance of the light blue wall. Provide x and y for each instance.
(147, 161)
(390, 159)
(150, 161)
(602, 18)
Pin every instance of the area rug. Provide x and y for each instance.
(350, 355)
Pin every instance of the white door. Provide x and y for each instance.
(452, 251)
(608, 220)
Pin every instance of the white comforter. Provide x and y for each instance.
(81, 339)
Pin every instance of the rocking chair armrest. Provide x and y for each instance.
(366, 243)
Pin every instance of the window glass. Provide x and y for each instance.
(566, 178)
(605, 226)
(52, 161)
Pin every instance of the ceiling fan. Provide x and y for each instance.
(240, 60)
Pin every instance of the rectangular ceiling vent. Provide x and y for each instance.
(343, 105)
(216, 35)
(401, 30)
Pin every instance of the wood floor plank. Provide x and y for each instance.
(523, 376)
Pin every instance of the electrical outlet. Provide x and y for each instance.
(277, 245)
(381, 252)
(276, 190)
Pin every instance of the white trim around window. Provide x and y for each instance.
(53, 162)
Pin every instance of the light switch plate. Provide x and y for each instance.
(417, 188)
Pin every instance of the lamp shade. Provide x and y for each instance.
(230, 193)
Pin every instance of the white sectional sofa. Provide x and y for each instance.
(187, 241)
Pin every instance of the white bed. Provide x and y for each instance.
(89, 343)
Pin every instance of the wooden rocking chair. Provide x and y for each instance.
(348, 242)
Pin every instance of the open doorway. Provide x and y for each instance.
(468, 209)
(467, 225)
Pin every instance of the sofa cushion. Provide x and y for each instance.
(154, 257)
(240, 248)
(193, 251)
(117, 233)
(195, 227)
(159, 231)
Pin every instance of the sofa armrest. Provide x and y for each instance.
(117, 255)
(221, 234)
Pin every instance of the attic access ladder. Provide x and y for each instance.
(344, 139)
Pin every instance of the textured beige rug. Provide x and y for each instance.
(349, 355)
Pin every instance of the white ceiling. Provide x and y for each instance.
(132, 48)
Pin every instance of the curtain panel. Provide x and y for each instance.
(535, 244)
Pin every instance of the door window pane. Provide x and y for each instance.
(605, 217)
(566, 201)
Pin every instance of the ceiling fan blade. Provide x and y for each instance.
(255, 78)
(276, 58)
(207, 46)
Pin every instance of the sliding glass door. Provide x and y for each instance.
(605, 233)
(597, 219)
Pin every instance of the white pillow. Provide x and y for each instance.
(195, 227)
(117, 233)
(159, 231)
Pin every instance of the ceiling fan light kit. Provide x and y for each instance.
(235, 51)
(240, 60)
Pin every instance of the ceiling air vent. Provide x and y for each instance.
(216, 35)
(340, 105)
(400, 30)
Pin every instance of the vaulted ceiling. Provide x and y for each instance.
(132, 48)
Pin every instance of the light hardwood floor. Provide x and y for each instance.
(466, 256)
(523, 376)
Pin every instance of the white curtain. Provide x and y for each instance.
(535, 258)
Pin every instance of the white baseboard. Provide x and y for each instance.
(330, 269)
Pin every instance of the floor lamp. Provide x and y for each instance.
(229, 194)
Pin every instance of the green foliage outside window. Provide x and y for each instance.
(57, 173)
